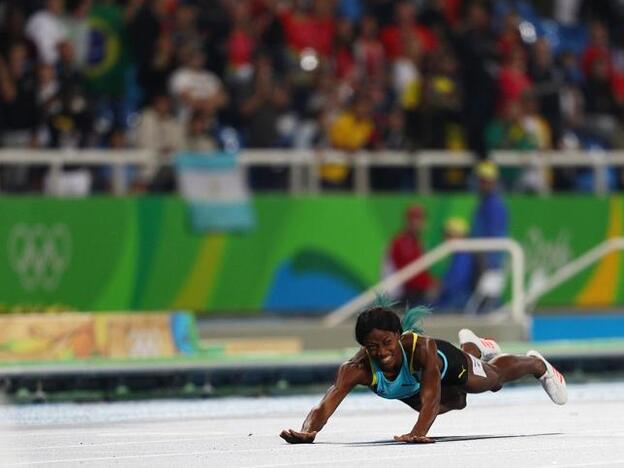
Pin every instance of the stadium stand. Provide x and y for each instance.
(311, 74)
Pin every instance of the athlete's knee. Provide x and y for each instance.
(459, 402)
(497, 380)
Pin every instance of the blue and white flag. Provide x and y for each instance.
(215, 189)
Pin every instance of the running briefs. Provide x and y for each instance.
(455, 371)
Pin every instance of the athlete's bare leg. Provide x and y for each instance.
(452, 398)
(472, 349)
(503, 369)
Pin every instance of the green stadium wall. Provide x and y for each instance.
(307, 253)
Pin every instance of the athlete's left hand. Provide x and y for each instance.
(414, 439)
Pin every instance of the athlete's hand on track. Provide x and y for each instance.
(414, 439)
(294, 437)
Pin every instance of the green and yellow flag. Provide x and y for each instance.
(108, 57)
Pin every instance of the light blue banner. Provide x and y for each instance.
(215, 189)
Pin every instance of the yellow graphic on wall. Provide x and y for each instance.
(601, 289)
(203, 275)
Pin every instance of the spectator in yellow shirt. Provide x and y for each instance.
(351, 131)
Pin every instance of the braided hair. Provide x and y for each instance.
(380, 315)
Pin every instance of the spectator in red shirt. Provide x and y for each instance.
(241, 42)
(509, 40)
(311, 27)
(405, 248)
(597, 49)
(344, 61)
(513, 80)
(370, 56)
(393, 36)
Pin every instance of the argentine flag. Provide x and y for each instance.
(216, 192)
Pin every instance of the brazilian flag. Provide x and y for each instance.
(108, 57)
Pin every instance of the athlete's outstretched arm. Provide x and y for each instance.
(349, 375)
(430, 392)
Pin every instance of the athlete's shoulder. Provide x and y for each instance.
(411, 338)
(357, 368)
(408, 337)
(359, 360)
(424, 341)
(425, 346)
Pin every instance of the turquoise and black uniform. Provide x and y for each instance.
(407, 383)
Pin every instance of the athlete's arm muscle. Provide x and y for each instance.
(426, 354)
(350, 374)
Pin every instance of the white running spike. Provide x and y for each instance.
(552, 380)
(489, 348)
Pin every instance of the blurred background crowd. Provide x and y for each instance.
(200, 75)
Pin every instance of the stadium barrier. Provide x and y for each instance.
(392, 282)
(76, 336)
(304, 165)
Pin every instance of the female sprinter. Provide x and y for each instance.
(430, 375)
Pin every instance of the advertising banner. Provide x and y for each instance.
(70, 336)
(304, 253)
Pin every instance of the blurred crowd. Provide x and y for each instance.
(200, 75)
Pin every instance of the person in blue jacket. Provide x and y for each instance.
(490, 219)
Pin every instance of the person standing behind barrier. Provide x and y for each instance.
(162, 133)
(458, 282)
(351, 131)
(405, 248)
(490, 219)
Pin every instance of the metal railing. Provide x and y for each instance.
(543, 161)
(304, 165)
(398, 278)
(57, 159)
(570, 269)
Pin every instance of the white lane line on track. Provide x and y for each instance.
(401, 457)
(130, 457)
(205, 435)
(105, 444)
(598, 463)
(272, 449)
(142, 434)
(18, 434)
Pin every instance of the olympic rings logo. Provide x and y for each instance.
(39, 254)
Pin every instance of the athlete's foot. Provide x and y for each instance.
(489, 349)
(552, 381)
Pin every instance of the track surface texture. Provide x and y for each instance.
(516, 427)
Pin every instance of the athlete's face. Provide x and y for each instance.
(383, 346)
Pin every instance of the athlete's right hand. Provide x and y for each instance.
(294, 437)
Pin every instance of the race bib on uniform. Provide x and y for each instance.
(477, 367)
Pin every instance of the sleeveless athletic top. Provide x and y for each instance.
(406, 383)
